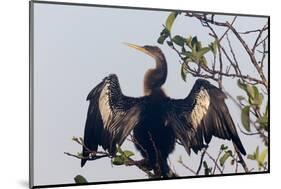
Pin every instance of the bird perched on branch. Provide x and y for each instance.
(156, 120)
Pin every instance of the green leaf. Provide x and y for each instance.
(163, 36)
(223, 147)
(257, 153)
(230, 152)
(256, 91)
(188, 42)
(198, 46)
(128, 153)
(75, 139)
(118, 160)
(266, 110)
(187, 54)
(161, 39)
(207, 170)
(214, 46)
(203, 51)
(194, 41)
(240, 98)
(263, 121)
(179, 40)
(262, 156)
(203, 61)
(170, 20)
(251, 157)
(251, 91)
(258, 100)
(254, 97)
(193, 54)
(245, 117)
(225, 156)
(79, 179)
(205, 165)
(242, 85)
(183, 72)
(165, 32)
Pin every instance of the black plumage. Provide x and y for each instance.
(156, 120)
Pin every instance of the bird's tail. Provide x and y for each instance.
(83, 161)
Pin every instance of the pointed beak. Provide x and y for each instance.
(140, 48)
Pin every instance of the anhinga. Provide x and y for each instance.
(156, 120)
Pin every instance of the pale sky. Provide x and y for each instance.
(75, 47)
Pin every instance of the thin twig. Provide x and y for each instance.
(201, 161)
(241, 160)
(253, 31)
(130, 161)
(236, 164)
(258, 37)
(216, 164)
(188, 168)
(217, 161)
(206, 21)
(245, 133)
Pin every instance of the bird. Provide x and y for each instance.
(156, 121)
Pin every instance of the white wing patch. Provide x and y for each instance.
(201, 107)
(104, 106)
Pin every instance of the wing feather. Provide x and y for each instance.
(201, 115)
(111, 117)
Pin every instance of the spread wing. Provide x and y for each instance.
(111, 117)
(201, 115)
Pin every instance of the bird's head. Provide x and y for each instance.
(153, 51)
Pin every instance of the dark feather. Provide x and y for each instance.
(112, 125)
(194, 125)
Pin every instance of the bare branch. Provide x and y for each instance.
(254, 31)
(258, 37)
(206, 23)
(215, 162)
(201, 162)
(185, 166)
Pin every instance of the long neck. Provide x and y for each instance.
(155, 78)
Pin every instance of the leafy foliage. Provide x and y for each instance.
(226, 155)
(245, 117)
(253, 106)
(79, 179)
(183, 72)
(121, 157)
(207, 169)
(260, 158)
(254, 117)
(170, 20)
(191, 48)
